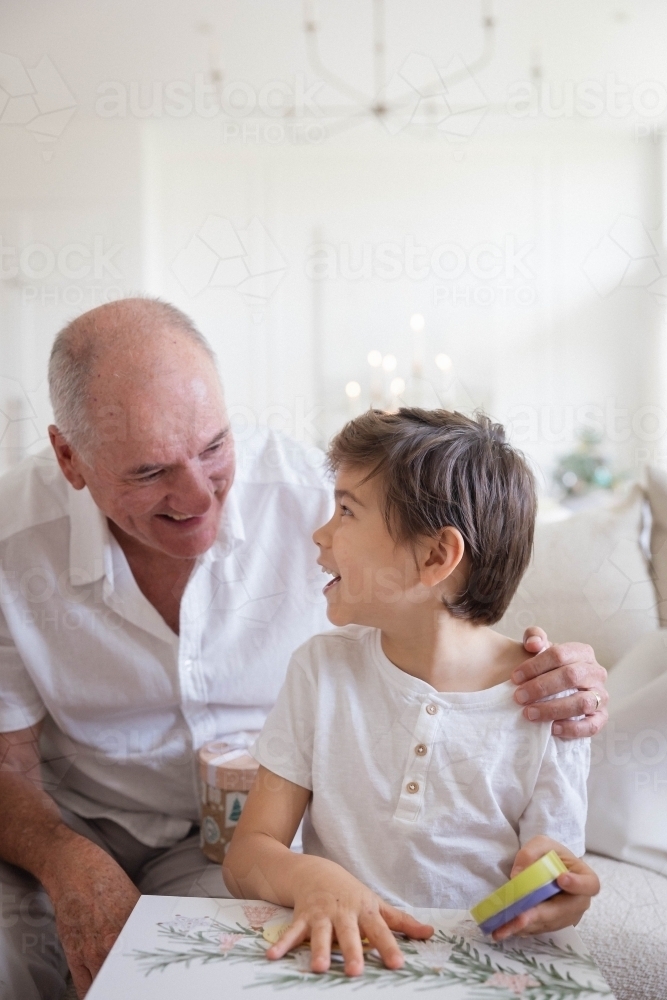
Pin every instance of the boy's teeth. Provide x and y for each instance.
(178, 517)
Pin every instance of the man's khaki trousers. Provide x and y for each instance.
(32, 962)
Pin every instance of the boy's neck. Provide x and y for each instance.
(451, 654)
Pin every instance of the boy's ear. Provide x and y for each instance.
(441, 556)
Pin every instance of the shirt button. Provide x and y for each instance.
(431, 709)
(412, 787)
(421, 750)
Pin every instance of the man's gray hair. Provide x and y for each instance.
(76, 351)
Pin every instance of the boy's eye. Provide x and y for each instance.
(345, 511)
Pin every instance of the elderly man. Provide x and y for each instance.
(152, 587)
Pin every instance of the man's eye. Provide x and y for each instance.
(149, 476)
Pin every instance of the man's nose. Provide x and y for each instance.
(190, 492)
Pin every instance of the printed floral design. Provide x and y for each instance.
(227, 941)
(535, 970)
(258, 914)
(470, 930)
(193, 927)
(302, 961)
(515, 983)
(434, 954)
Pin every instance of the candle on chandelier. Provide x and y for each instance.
(396, 390)
(376, 394)
(446, 392)
(389, 363)
(417, 324)
(353, 394)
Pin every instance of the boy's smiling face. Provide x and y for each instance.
(373, 575)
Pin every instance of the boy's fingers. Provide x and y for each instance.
(579, 879)
(320, 944)
(576, 883)
(295, 934)
(404, 923)
(560, 911)
(515, 926)
(379, 935)
(535, 849)
(579, 883)
(349, 941)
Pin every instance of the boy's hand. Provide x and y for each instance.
(579, 885)
(559, 668)
(329, 903)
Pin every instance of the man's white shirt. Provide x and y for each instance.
(424, 796)
(124, 700)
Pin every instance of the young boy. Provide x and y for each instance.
(396, 733)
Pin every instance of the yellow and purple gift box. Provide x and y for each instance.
(532, 886)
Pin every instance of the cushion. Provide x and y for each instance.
(589, 581)
(627, 786)
(625, 929)
(657, 495)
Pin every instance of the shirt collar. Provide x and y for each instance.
(231, 532)
(89, 541)
(89, 549)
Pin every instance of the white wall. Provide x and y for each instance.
(539, 345)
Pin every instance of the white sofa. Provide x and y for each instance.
(601, 577)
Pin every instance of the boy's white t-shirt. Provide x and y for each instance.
(425, 797)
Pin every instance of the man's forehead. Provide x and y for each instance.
(138, 434)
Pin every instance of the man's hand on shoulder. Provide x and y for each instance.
(552, 669)
(92, 898)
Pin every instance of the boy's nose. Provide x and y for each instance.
(321, 536)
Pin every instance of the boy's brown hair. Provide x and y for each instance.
(438, 468)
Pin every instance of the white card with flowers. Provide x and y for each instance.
(186, 947)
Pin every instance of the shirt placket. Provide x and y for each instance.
(190, 668)
(413, 786)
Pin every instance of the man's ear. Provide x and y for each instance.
(441, 556)
(68, 460)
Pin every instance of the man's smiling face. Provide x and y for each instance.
(162, 459)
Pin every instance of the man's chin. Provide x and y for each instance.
(184, 541)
